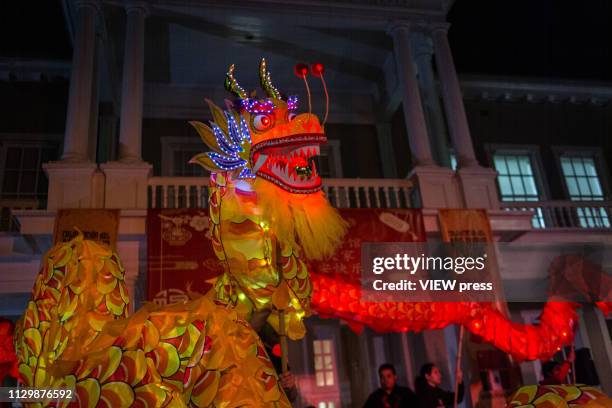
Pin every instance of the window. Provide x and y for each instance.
(176, 153)
(581, 178)
(22, 176)
(583, 184)
(517, 181)
(453, 161)
(329, 164)
(181, 166)
(324, 363)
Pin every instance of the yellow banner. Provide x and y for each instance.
(465, 225)
(95, 224)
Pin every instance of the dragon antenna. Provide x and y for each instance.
(231, 85)
(266, 81)
(317, 70)
(301, 70)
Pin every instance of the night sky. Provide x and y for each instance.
(531, 38)
(33, 29)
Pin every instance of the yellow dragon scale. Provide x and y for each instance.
(185, 355)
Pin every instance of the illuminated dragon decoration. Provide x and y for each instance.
(559, 396)
(268, 215)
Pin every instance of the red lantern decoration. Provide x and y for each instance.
(300, 70)
(317, 69)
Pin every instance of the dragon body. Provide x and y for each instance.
(268, 216)
(76, 334)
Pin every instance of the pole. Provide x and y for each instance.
(458, 364)
(574, 364)
(281, 315)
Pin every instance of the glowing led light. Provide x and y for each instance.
(292, 102)
(230, 145)
(257, 106)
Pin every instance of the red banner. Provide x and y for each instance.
(181, 258)
(370, 225)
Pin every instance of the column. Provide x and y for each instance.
(385, 146)
(95, 103)
(453, 99)
(423, 54)
(127, 178)
(72, 181)
(411, 100)
(478, 184)
(601, 346)
(130, 133)
(437, 187)
(81, 83)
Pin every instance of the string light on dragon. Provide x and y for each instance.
(256, 106)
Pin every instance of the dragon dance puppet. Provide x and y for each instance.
(268, 216)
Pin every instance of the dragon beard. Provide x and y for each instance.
(304, 220)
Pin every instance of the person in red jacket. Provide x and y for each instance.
(555, 373)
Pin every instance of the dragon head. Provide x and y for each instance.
(263, 137)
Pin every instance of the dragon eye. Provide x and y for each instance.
(262, 122)
(291, 116)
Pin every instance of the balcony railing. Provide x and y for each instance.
(7, 205)
(566, 214)
(192, 192)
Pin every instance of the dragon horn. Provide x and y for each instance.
(232, 85)
(266, 81)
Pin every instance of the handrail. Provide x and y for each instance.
(181, 192)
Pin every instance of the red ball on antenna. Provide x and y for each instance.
(300, 69)
(317, 69)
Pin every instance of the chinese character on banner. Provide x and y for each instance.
(95, 224)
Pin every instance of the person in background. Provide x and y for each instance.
(555, 373)
(428, 389)
(390, 395)
(586, 373)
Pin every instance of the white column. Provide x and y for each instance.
(423, 54)
(385, 146)
(95, 102)
(127, 178)
(601, 346)
(130, 133)
(76, 137)
(453, 100)
(71, 180)
(411, 100)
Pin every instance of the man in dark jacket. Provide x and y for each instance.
(391, 395)
(428, 389)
